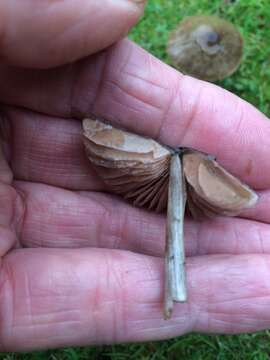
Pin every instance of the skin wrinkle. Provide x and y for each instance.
(235, 231)
(103, 231)
(120, 222)
(113, 282)
(261, 240)
(127, 86)
(6, 176)
(117, 230)
(85, 87)
(104, 62)
(29, 305)
(38, 325)
(195, 126)
(216, 318)
(189, 112)
(190, 230)
(136, 76)
(37, 310)
(135, 112)
(48, 318)
(151, 232)
(139, 101)
(262, 264)
(103, 77)
(29, 146)
(199, 228)
(7, 303)
(57, 155)
(122, 72)
(19, 215)
(164, 119)
(195, 313)
(240, 117)
(24, 218)
(212, 322)
(213, 305)
(75, 75)
(116, 276)
(143, 79)
(212, 237)
(96, 298)
(148, 327)
(208, 312)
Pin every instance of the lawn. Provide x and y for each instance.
(252, 17)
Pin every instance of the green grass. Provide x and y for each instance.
(189, 347)
(252, 83)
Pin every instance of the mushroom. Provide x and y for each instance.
(157, 177)
(206, 47)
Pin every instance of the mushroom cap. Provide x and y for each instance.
(206, 47)
(131, 165)
(137, 168)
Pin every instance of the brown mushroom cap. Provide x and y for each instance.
(205, 47)
(138, 168)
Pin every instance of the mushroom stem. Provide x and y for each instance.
(175, 280)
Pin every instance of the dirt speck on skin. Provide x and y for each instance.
(249, 167)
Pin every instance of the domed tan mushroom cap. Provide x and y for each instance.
(206, 47)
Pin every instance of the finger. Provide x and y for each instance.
(55, 298)
(60, 218)
(53, 33)
(47, 150)
(129, 87)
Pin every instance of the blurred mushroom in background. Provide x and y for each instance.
(206, 47)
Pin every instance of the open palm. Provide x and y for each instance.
(81, 266)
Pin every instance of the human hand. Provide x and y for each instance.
(81, 266)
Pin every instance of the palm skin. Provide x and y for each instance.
(79, 265)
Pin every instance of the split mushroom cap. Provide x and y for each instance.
(132, 166)
(206, 47)
(138, 168)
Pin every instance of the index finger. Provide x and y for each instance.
(131, 88)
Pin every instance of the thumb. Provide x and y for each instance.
(49, 33)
